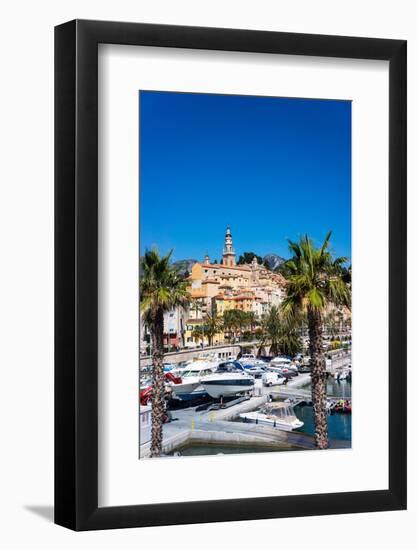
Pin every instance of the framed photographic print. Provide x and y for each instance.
(230, 275)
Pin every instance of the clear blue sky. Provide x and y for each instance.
(271, 168)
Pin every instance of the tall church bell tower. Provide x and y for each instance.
(229, 255)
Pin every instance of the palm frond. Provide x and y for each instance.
(161, 286)
(314, 277)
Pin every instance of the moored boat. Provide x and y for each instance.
(229, 379)
(343, 406)
(190, 387)
(277, 415)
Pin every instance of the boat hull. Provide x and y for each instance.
(188, 391)
(196, 394)
(271, 423)
(226, 388)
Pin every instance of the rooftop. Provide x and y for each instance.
(243, 267)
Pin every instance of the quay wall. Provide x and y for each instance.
(231, 437)
(339, 358)
(187, 355)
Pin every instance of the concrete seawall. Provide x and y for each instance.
(188, 355)
(218, 426)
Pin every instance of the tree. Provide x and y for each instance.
(161, 289)
(247, 257)
(251, 320)
(241, 321)
(329, 323)
(314, 280)
(281, 333)
(233, 321)
(198, 334)
(212, 326)
(289, 342)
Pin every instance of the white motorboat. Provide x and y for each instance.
(190, 386)
(277, 415)
(228, 380)
(255, 370)
(169, 366)
(254, 361)
(247, 358)
(209, 357)
(181, 367)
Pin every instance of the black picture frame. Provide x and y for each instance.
(76, 272)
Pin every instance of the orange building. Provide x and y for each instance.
(247, 287)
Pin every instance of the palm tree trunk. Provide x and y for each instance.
(158, 383)
(318, 379)
(273, 350)
(261, 350)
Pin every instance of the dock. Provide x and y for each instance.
(340, 360)
(219, 426)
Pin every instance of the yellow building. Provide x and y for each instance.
(192, 341)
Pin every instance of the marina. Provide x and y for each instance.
(239, 424)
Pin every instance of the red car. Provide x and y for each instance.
(146, 395)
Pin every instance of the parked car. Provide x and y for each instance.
(304, 369)
(293, 367)
(273, 379)
(255, 370)
(287, 373)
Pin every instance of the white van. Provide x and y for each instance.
(271, 378)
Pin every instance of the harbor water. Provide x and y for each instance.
(202, 449)
(339, 425)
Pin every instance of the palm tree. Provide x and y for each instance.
(271, 330)
(329, 323)
(198, 334)
(231, 320)
(289, 342)
(315, 279)
(281, 333)
(251, 320)
(212, 326)
(161, 289)
(241, 321)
